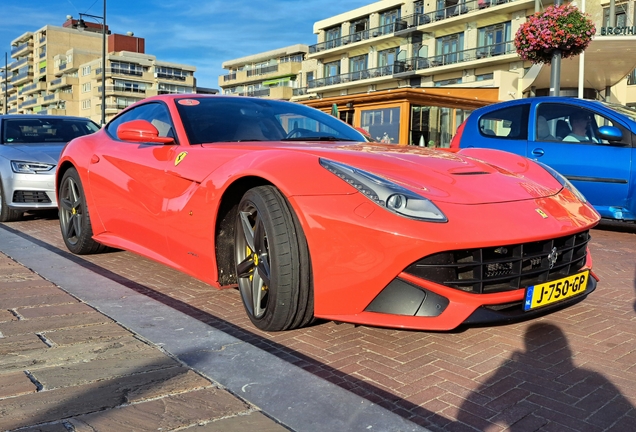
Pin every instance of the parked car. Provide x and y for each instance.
(308, 220)
(29, 151)
(591, 143)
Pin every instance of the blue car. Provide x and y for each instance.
(591, 143)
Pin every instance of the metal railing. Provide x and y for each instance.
(229, 77)
(171, 76)
(418, 63)
(20, 47)
(124, 89)
(263, 70)
(358, 36)
(354, 76)
(29, 102)
(55, 82)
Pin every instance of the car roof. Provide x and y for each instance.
(38, 116)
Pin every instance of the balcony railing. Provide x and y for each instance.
(125, 89)
(263, 70)
(171, 76)
(254, 93)
(61, 66)
(21, 47)
(419, 63)
(48, 98)
(355, 76)
(358, 36)
(229, 77)
(29, 102)
(17, 64)
(120, 71)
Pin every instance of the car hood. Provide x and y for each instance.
(45, 152)
(470, 176)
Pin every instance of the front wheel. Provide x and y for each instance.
(272, 262)
(7, 214)
(75, 222)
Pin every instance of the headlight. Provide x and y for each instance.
(22, 167)
(387, 194)
(564, 182)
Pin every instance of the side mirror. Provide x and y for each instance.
(141, 131)
(610, 133)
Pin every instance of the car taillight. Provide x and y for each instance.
(458, 136)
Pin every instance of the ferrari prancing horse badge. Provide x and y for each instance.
(181, 156)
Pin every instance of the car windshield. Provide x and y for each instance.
(235, 119)
(45, 130)
(622, 109)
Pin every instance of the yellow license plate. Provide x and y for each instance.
(555, 291)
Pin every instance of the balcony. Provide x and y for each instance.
(29, 102)
(263, 92)
(125, 90)
(378, 72)
(22, 78)
(229, 77)
(173, 77)
(17, 64)
(22, 48)
(64, 81)
(264, 70)
(409, 66)
(52, 111)
(56, 97)
(33, 88)
(354, 38)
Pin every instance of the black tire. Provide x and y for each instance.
(75, 222)
(272, 262)
(7, 214)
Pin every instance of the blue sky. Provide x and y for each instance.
(202, 33)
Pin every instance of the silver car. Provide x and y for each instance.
(30, 147)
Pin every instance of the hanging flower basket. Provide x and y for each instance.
(562, 28)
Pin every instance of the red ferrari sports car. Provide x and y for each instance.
(308, 220)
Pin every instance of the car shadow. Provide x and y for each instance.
(517, 395)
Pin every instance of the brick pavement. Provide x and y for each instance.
(64, 366)
(573, 370)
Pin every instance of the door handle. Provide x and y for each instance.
(538, 152)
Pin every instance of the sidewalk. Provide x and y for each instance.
(63, 364)
(80, 351)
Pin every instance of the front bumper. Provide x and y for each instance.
(30, 191)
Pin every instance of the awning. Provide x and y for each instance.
(276, 81)
(608, 59)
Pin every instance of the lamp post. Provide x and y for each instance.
(82, 25)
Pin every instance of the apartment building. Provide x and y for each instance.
(58, 70)
(410, 71)
(271, 74)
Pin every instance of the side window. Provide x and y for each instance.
(508, 123)
(570, 123)
(155, 113)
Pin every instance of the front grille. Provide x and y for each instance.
(504, 268)
(30, 197)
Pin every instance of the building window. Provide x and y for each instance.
(359, 27)
(173, 89)
(387, 57)
(86, 70)
(86, 104)
(129, 86)
(493, 40)
(419, 7)
(382, 124)
(86, 87)
(447, 82)
(484, 77)
(332, 69)
(171, 73)
(449, 49)
(332, 37)
(126, 68)
(620, 15)
(296, 58)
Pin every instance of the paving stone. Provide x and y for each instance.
(17, 345)
(168, 413)
(16, 327)
(254, 421)
(29, 291)
(6, 315)
(86, 334)
(52, 299)
(49, 406)
(55, 310)
(90, 371)
(15, 384)
(58, 356)
(17, 285)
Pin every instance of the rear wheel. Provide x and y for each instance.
(272, 262)
(7, 214)
(75, 222)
